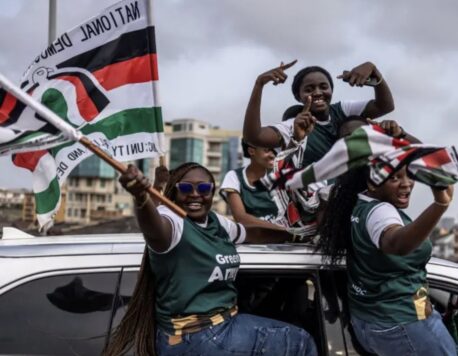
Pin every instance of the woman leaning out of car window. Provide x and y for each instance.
(185, 299)
(386, 257)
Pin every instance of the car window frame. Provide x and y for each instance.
(72, 271)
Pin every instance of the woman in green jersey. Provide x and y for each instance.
(252, 204)
(185, 299)
(386, 254)
(317, 118)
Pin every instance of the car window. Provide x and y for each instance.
(332, 315)
(126, 289)
(446, 303)
(338, 330)
(339, 334)
(58, 315)
(291, 299)
(317, 303)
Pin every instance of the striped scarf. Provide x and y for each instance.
(436, 166)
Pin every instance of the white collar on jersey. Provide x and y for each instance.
(245, 178)
(364, 197)
(204, 224)
(325, 122)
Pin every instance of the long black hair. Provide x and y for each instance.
(137, 328)
(335, 228)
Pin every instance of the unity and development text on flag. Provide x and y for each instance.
(101, 77)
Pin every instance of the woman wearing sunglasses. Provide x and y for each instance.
(185, 300)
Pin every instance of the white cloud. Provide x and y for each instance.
(210, 53)
(11, 8)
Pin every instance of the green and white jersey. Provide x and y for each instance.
(256, 200)
(194, 278)
(382, 287)
(325, 133)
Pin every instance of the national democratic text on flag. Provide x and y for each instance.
(102, 78)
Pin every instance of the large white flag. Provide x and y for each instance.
(101, 77)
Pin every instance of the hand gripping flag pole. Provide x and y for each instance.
(73, 134)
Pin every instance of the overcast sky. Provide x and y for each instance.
(210, 53)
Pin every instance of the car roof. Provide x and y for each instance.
(66, 245)
(114, 243)
(27, 258)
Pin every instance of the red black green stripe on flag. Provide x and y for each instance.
(10, 107)
(91, 100)
(129, 59)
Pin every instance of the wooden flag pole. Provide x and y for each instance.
(122, 168)
(73, 134)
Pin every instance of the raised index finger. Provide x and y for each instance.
(287, 65)
(308, 104)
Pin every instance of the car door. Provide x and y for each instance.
(61, 313)
(289, 296)
(338, 332)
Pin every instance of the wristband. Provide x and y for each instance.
(441, 204)
(372, 81)
(141, 205)
(402, 135)
(379, 82)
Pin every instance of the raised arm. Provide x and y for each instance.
(253, 132)
(393, 129)
(263, 235)
(383, 102)
(240, 215)
(161, 176)
(401, 240)
(156, 230)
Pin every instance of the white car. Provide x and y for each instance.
(64, 295)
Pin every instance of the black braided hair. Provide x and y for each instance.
(295, 87)
(137, 328)
(335, 228)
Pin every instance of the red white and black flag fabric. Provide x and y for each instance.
(369, 145)
(101, 77)
(298, 190)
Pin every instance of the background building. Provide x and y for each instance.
(197, 141)
(444, 247)
(11, 202)
(92, 194)
(191, 140)
(446, 223)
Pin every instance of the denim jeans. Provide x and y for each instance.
(241, 335)
(427, 337)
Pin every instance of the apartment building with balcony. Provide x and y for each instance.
(94, 194)
(217, 149)
(194, 140)
(11, 202)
